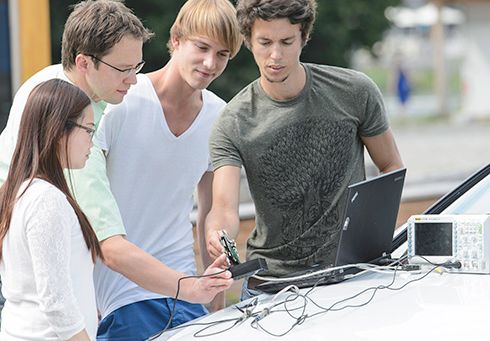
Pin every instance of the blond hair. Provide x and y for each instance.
(215, 19)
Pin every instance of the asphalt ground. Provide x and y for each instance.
(440, 156)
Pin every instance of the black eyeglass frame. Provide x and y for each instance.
(127, 72)
(89, 130)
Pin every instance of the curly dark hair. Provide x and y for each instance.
(297, 11)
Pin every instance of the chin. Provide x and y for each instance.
(114, 100)
(199, 86)
(200, 83)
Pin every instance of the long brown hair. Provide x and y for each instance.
(49, 112)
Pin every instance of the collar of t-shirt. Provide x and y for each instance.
(98, 108)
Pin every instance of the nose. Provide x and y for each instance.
(276, 52)
(209, 61)
(131, 78)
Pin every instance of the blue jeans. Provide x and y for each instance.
(140, 320)
(247, 293)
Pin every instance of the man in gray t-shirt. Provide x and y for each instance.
(299, 131)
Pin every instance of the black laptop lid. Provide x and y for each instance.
(370, 218)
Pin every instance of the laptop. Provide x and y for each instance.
(367, 230)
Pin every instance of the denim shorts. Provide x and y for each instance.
(140, 320)
(247, 293)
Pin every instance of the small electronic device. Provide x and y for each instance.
(248, 269)
(229, 246)
(451, 238)
(240, 270)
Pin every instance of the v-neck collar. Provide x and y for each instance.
(163, 120)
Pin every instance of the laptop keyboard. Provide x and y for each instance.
(318, 279)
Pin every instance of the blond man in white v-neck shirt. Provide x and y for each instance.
(156, 145)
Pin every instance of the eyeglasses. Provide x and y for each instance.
(90, 131)
(126, 72)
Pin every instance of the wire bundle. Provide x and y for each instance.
(298, 313)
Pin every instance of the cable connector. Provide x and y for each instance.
(266, 311)
(246, 314)
(452, 264)
(247, 310)
(410, 267)
(301, 319)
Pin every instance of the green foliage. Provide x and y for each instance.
(341, 26)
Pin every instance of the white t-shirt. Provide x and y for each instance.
(152, 174)
(46, 270)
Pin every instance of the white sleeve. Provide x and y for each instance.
(48, 234)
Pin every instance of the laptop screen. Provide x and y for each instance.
(370, 218)
(367, 232)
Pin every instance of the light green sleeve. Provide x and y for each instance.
(91, 189)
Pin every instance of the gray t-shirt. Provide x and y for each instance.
(299, 156)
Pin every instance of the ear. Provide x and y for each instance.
(82, 62)
(175, 40)
(62, 149)
(247, 44)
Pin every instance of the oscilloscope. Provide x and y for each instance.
(442, 238)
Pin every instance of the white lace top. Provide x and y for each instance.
(46, 270)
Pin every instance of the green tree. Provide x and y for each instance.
(341, 26)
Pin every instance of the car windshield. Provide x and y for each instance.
(475, 201)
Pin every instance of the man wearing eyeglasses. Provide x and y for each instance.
(156, 142)
(101, 54)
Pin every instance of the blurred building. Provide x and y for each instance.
(475, 69)
(24, 46)
(445, 36)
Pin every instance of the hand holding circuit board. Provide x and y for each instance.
(237, 269)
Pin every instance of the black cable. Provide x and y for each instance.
(299, 320)
(448, 264)
(176, 297)
(303, 316)
(199, 333)
(358, 294)
(375, 289)
(389, 286)
(247, 310)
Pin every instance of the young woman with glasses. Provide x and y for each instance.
(47, 246)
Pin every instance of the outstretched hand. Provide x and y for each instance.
(205, 288)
